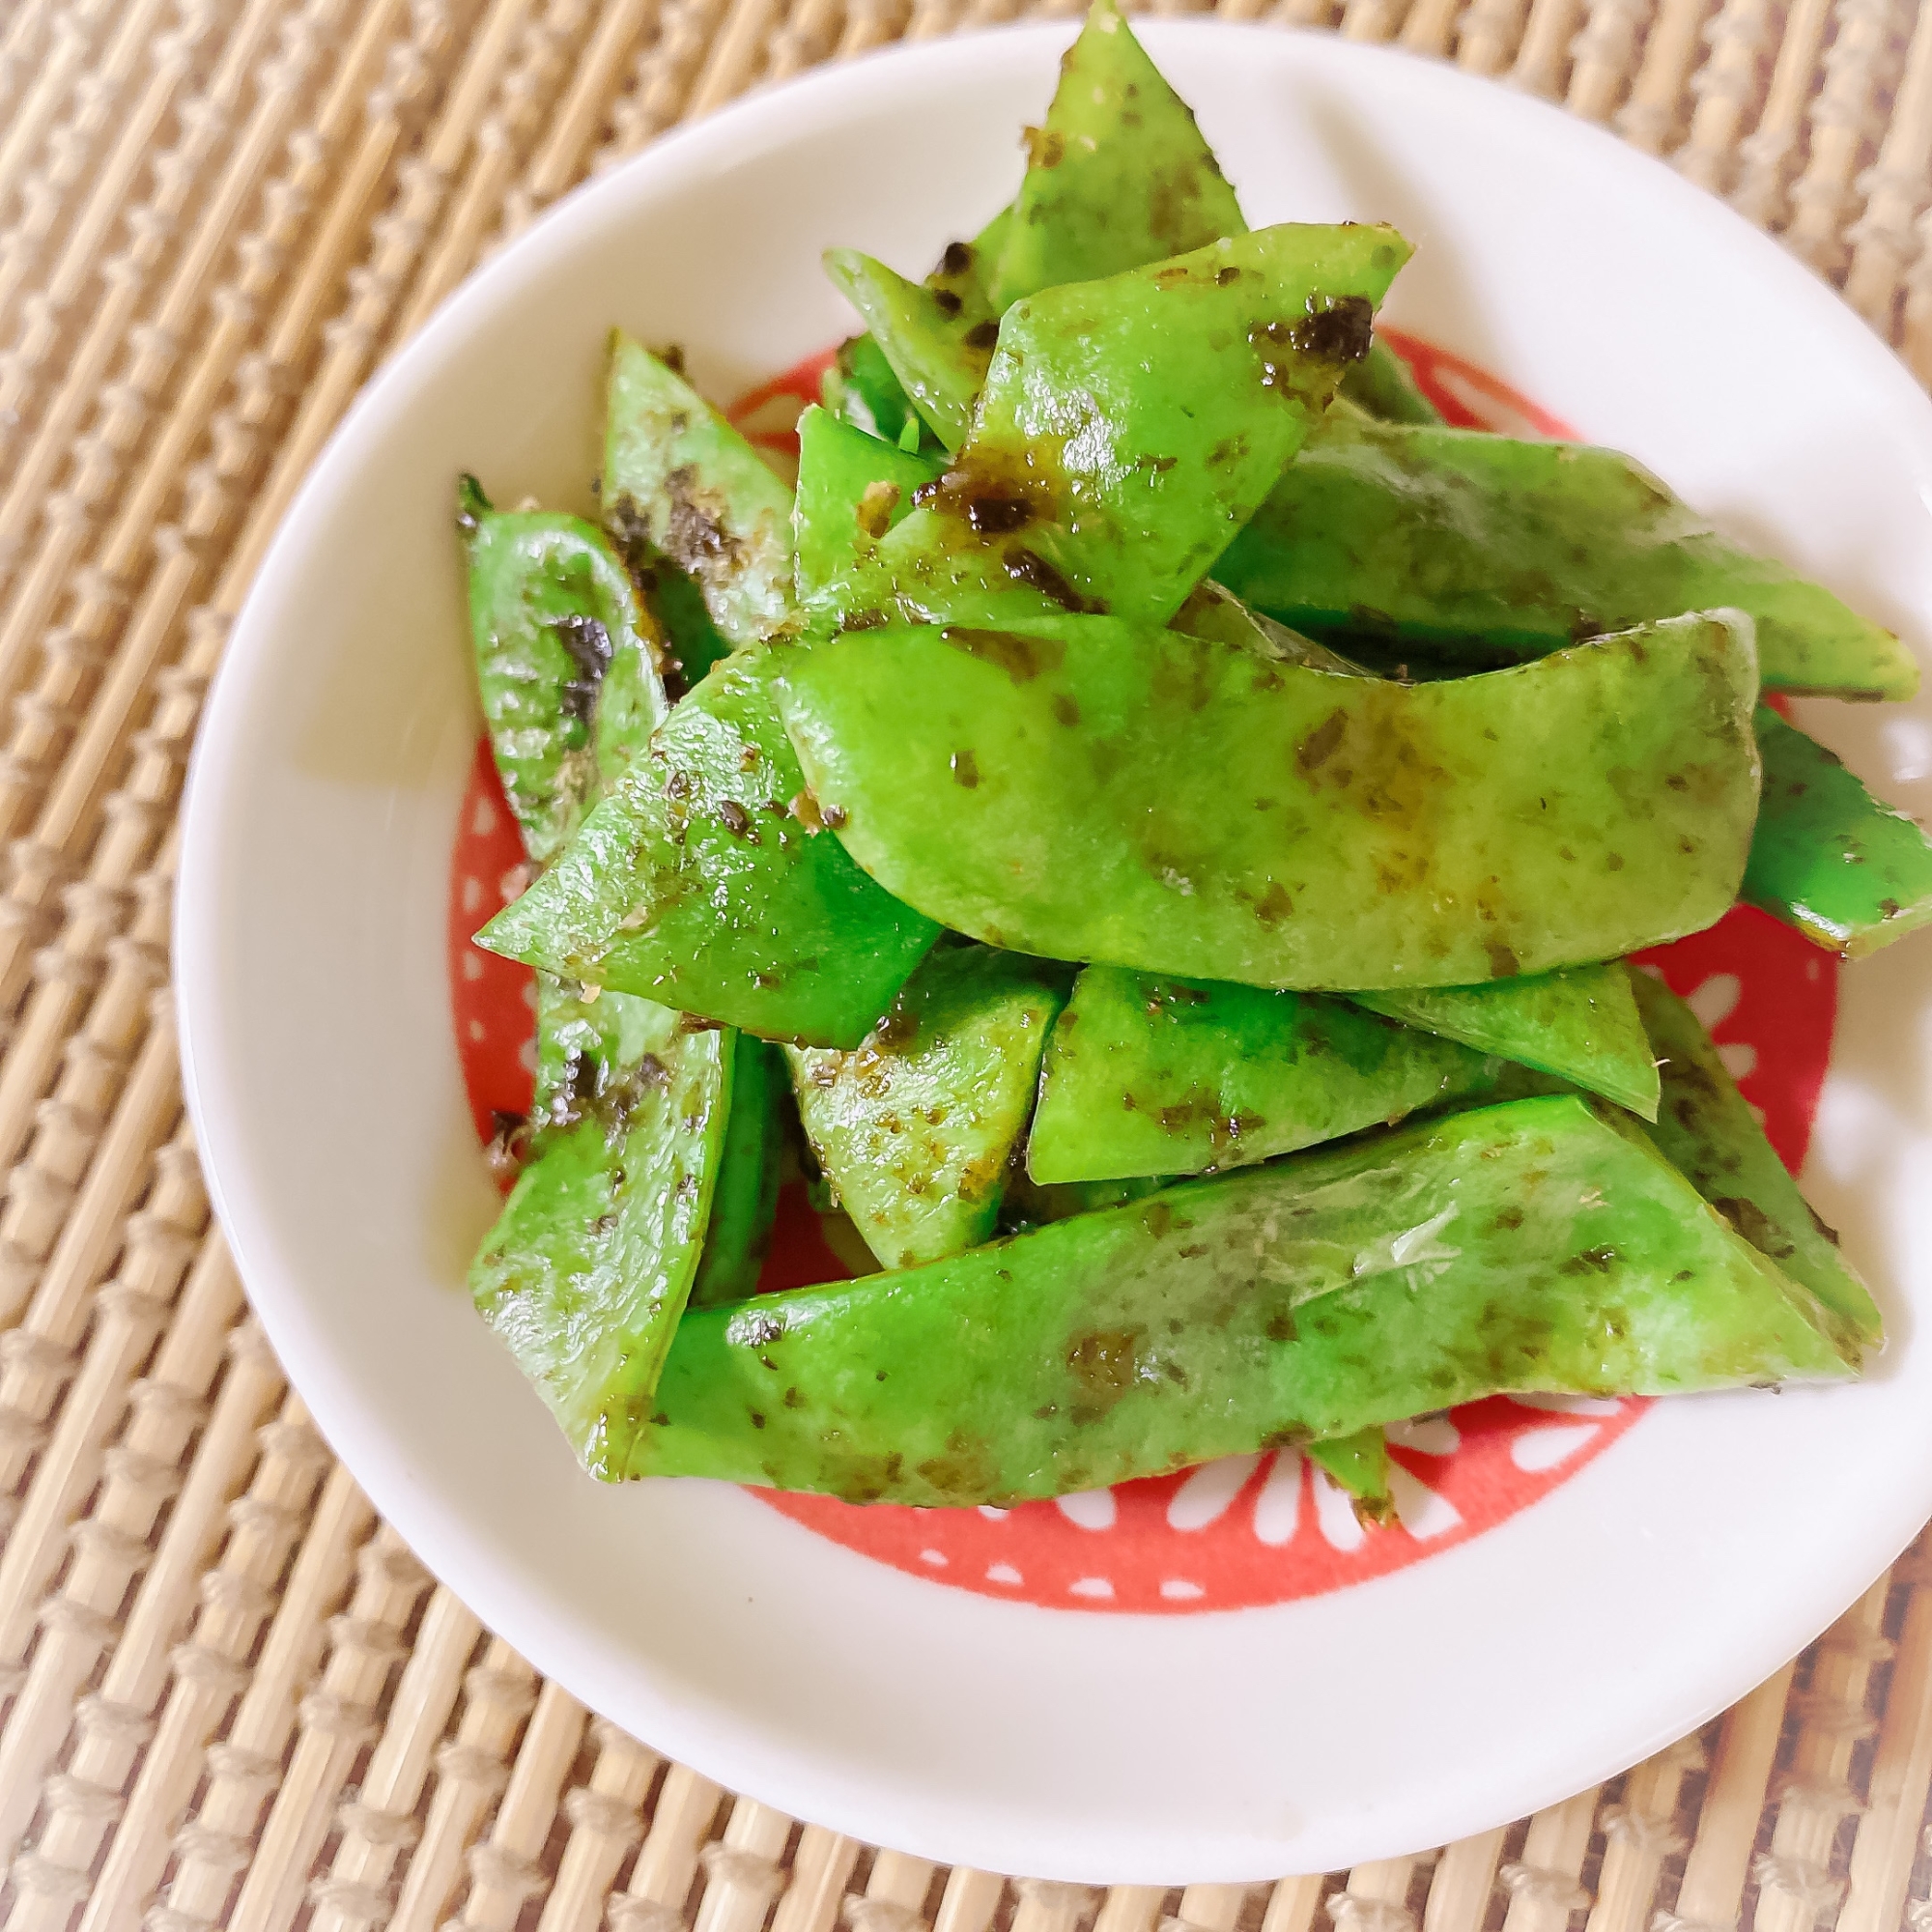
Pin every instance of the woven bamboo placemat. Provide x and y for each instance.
(231, 1695)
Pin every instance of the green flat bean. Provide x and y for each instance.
(1471, 548)
(1850, 874)
(852, 489)
(966, 268)
(861, 389)
(566, 661)
(1119, 177)
(1219, 617)
(1533, 1247)
(1129, 489)
(938, 570)
(916, 1127)
(1124, 614)
(1358, 1464)
(584, 1044)
(1145, 1075)
(1383, 385)
(587, 1271)
(693, 642)
(937, 346)
(681, 483)
(1030, 1205)
(745, 1197)
(702, 880)
(1118, 174)
(1706, 1130)
(1580, 1025)
(867, 391)
(1103, 792)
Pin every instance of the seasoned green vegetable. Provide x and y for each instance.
(966, 268)
(704, 880)
(1221, 617)
(567, 665)
(937, 345)
(860, 388)
(1707, 1130)
(1582, 1025)
(584, 1274)
(1848, 872)
(1039, 515)
(1135, 610)
(852, 489)
(565, 660)
(1097, 790)
(747, 1193)
(680, 482)
(592, 1055)
(1528, 1247)
(938, 570)
(1381, 384)
(1475, 548)
(1145, 1075)
(583, 1045)
(693, 642)
(587, 1271)
(1130, 489)
(1029, 1205)
(863, 388)
(1360, 1465)
(1119, 175)
(915, 1129)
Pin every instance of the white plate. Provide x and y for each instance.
(1703, 1548)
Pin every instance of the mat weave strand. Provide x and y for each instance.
(232, 1696)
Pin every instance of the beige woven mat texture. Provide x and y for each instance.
(231, 1695)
